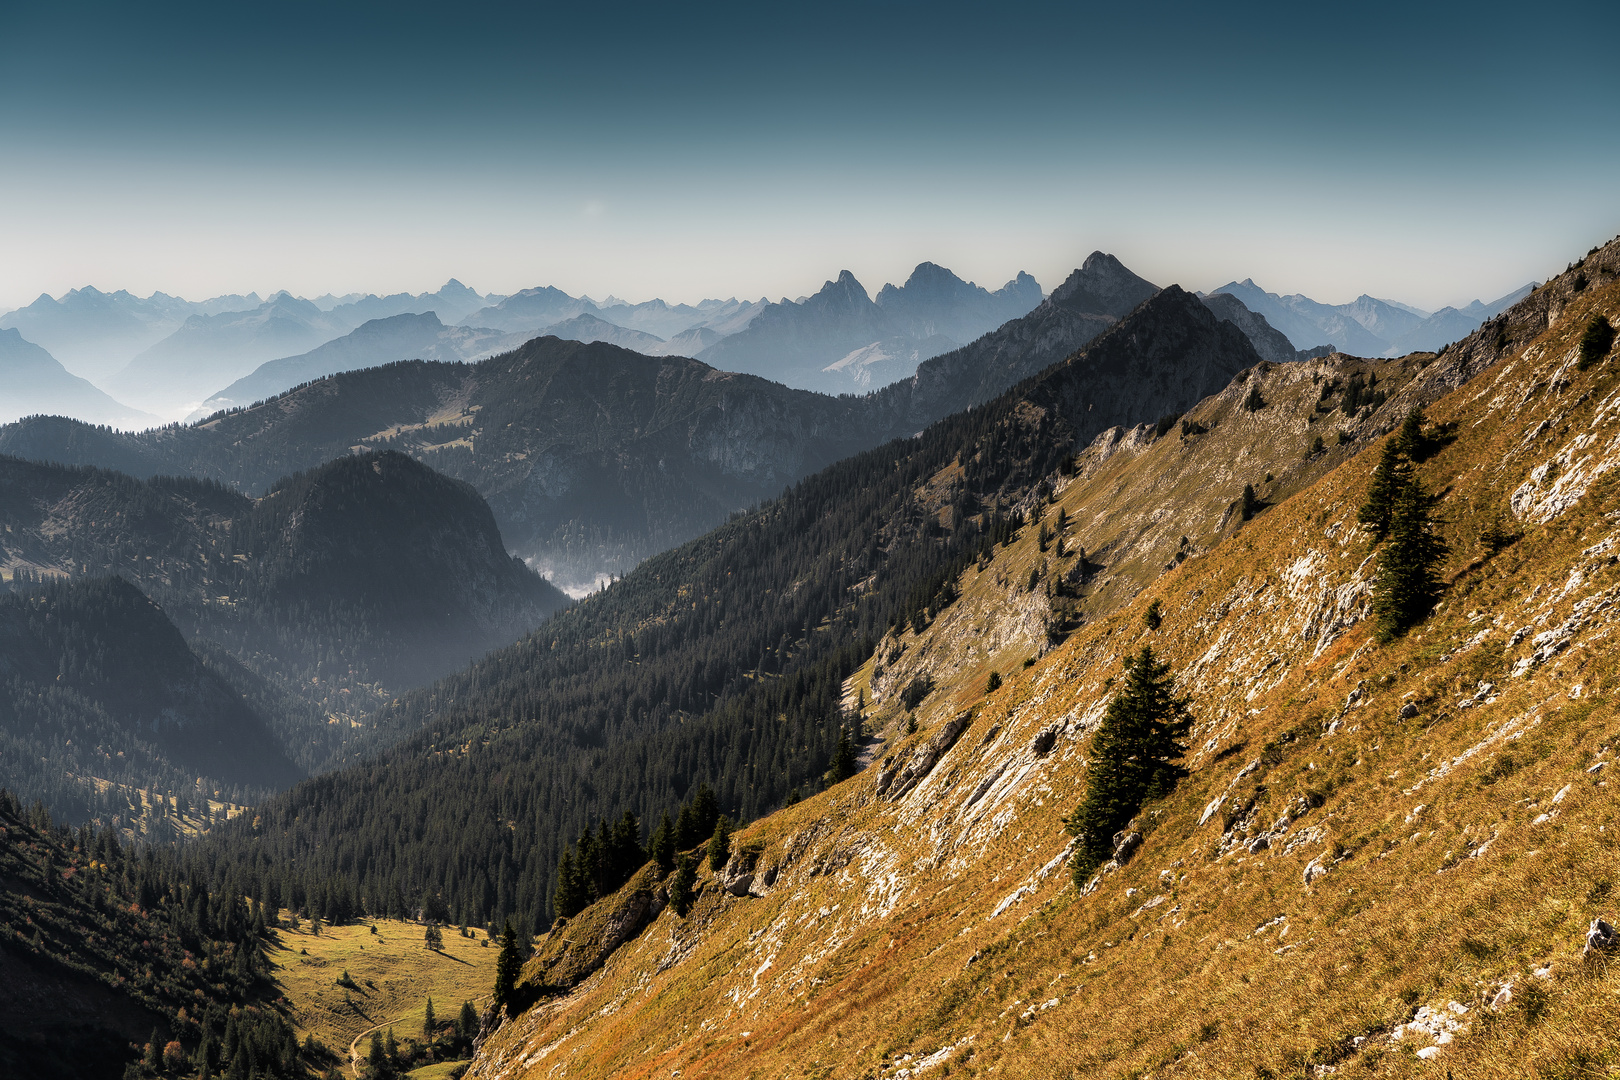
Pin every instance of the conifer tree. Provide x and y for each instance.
(1250, 503)
(428, 1022)
(663, 845)
(467, 1022)
(568, 898)
(680, 886)
(1408, 583)
(1389, 477)
(1596, 341)
(508, 966)
(842, 766)
(720, 843)
(697, 818)
(1411, 440)
(1134, 758)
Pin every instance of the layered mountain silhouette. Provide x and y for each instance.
(363, 577)
(1366, 326)
(94, 674)
(1267, 340)
(593, 457)
(94, 334)
(210, 351)
(1092, 299)
(380, 341)
(840, 340)
(34, 382)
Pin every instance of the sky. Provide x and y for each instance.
(1430, 153)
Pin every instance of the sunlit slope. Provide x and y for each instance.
(393, 973)
(1445, 790)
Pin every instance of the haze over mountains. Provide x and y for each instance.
(34, 382)
(594, 457)
(170, 358)
(1367, 326)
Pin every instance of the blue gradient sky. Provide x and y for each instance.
(1431, 153)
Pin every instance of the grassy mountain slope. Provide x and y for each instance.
(1383, 862)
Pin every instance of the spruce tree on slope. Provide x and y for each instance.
(720, 844)
(1389, 477)
(680, 886)
(842, 766)
(1408, 583)
(508, 966)
(663, 845)
(1134, 758)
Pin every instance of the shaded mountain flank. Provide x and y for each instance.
(97, 685)
(379, 341)
(316, 602)
(1389, 856)
(593, 457)
(36, 384)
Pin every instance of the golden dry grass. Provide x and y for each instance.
(881, 948)
(395, 973)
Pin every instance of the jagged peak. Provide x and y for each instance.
(1102, 285)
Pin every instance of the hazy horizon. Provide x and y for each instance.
(1431, 157)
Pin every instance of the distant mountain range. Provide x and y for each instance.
(380, 341)
(171, 358)
(168, 354)
(32, 382)
(1367, 326)
(842, 341)
(95, 334)
(593, 457)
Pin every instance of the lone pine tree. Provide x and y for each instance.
(720, 843)
(680, 886)
(508, 966)
(1134, 758)
(1392, 474)
(663, 844)
(842, 766)
(1408, 583)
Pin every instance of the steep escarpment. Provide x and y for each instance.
(1385, 861)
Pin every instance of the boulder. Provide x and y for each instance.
(1600, 937)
